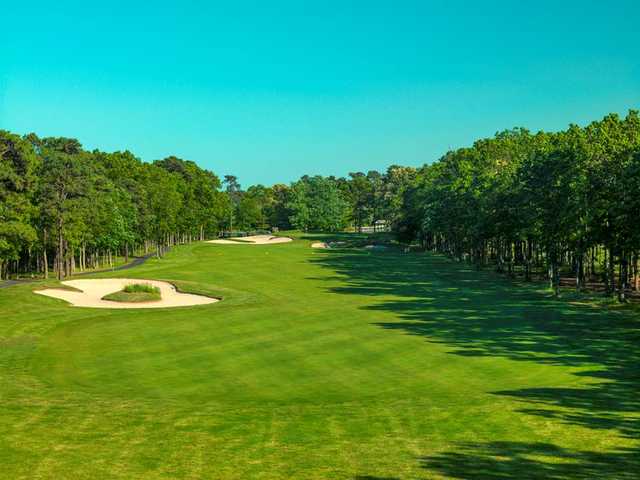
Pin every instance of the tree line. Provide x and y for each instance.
(64, 209)
(567, 201)
(321, 204)
(562, 204)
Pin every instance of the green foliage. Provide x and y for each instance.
(564, 195)
(135, 293)
(200, 207)
(361, 196)
(278, 212)
(318, 204)
(62, 202)
(564, 198)
(18, 183)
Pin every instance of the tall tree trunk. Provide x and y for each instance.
(579, 260)
(527, 265)
(67, 260)
(554, 274)
(622, 282)
(60, 252)
(611, 280)
(45, 262)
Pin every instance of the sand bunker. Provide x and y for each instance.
(93, 290)
(252, 240)
(320, 245)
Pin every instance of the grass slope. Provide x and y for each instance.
(133, 297)
(319, 364)
(136, 293)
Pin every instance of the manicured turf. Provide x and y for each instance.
(319, 364)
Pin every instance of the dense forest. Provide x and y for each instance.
(566, 202)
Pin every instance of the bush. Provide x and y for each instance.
(135, 293)
(141, 288)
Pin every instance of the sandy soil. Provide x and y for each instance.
(253, 240)
(93, 290)
(319, 245)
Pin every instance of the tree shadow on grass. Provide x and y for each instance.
(532, 461)
(371, 477)
(482, 314)
(353, 240)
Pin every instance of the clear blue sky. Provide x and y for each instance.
(271, 90)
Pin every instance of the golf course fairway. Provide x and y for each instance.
(336, 363)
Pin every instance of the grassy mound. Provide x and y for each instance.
(136, 292)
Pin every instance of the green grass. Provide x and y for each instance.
(141, 288)
(342, 363)
(135, 297)
(136, 293)
(45, 284)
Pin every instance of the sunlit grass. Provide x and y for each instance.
(319, 364)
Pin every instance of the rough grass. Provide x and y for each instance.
(320, 364)
(45, 284)
(136, 293)
(141, 288)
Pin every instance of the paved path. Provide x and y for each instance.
(134, 263)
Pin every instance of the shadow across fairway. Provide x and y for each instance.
(481, 314)
(371, 477)
(353, 240)
(532, 461)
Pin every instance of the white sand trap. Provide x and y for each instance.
(252, 240)
(319, 245)
(93, 290)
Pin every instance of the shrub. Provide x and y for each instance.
(141, 288)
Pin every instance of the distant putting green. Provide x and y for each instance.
(319, 363)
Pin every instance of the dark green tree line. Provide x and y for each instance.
(566, 201)
(562, 204)
(65, 209)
